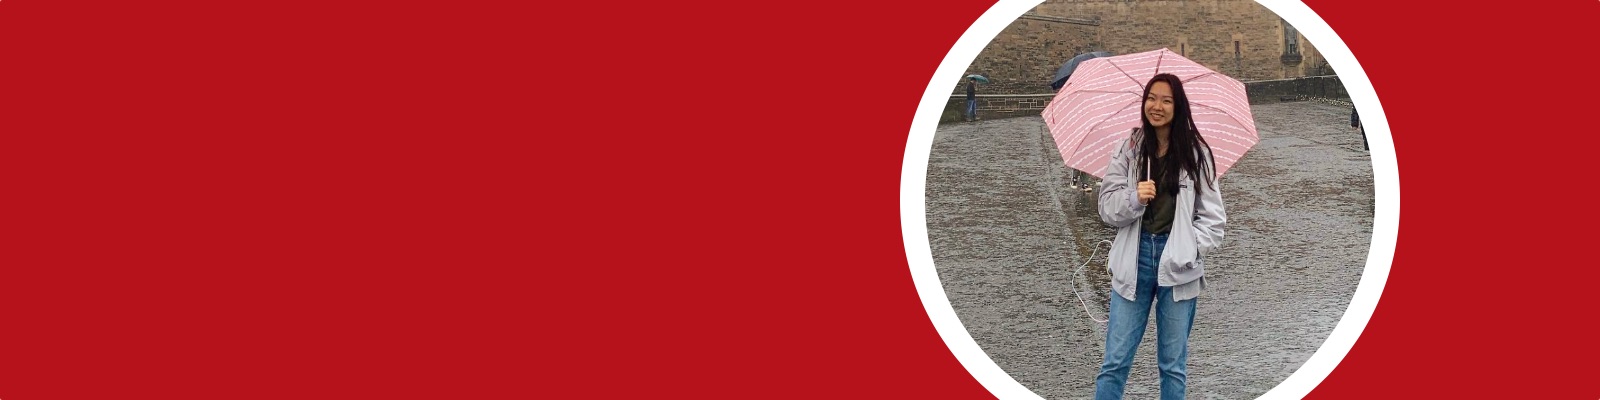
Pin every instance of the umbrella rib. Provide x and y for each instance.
(1085, 138)
(1192, 78)
(1223, 112)
(1125, 73)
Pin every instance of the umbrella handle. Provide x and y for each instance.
(1147, 168)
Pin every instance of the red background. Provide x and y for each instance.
(606, 199)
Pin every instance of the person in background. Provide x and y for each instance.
(972, 99)
(1355, 122)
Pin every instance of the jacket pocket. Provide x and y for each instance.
(1183, 251)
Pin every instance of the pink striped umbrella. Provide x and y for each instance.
(1103, 99)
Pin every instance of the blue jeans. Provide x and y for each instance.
(972, 109)
(1127, 323)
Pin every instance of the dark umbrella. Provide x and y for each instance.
(1066, 69)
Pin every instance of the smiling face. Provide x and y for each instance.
(1158, 105)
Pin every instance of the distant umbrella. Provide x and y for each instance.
(978, 78)
(1066, 69)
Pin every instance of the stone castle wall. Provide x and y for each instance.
(1239, 38)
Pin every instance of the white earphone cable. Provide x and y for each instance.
(1074, 285)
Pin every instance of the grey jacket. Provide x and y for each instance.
(1197, 226)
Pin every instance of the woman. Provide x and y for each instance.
(1160, 192)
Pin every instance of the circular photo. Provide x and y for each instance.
(1142, 199)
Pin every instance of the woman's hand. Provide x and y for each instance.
(1147, 191)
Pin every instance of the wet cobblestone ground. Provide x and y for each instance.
(1008, 236)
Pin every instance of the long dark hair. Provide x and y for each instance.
(1182, 142)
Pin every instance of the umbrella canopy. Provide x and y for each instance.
(1104, 99)
(979, 78)
(1066, 69)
